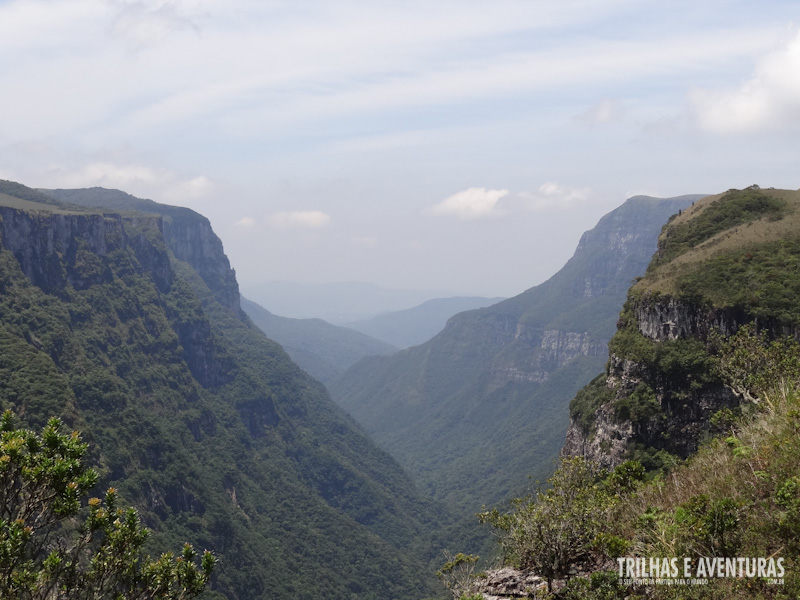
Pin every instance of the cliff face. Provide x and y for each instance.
(669, 318)
(728, 261)
(548, 350)
(650, 407)
(482, 405)
(193, 241)
(186, 233)
(56, 249)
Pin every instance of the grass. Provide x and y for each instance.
(753, 470)
(734, 207)
(677, 255)
(738, 496)
(30, 205)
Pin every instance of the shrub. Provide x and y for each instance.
(51, 549)
(583, 406)
(557, 530)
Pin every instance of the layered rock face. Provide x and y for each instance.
(196, 243)
(681, 402)
(550, 350)
(186, 233)
(56, 249)
(671, 319)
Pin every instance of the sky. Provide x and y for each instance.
(461, 146)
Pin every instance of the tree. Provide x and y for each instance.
(753, 366)
(557, 530)
(457, 573)
(52, 548)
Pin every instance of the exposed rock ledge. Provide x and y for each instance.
(508, 584)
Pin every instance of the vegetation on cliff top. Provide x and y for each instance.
(734, 250)
(731, 259)
(734, 207)
(737, 253)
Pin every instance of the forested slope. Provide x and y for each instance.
(126, 324)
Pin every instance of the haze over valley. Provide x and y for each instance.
(399, 300)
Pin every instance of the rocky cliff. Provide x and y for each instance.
(187, 234)
(729, 260)
(657, 399)
(59, 248)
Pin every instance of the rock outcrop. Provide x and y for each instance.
(657, 405)
(726, 262)
(508, 584)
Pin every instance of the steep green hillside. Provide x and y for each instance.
(731, 259)
(705, 366)
(323, 350)
(127, 326)
(483, 404)
(413, 326)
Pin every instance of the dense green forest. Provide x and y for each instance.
(122, 318)
(112, 320)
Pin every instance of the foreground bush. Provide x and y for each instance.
(52, 549)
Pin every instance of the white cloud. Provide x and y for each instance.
(472, 203)
(366, 241)
(160, 184)
(107, 174)
(605, 111)
(245, 223)
(769, 100)
(553, 195)
(304, 219)
(190, 189)
(41, 164)
(143, 25)
(258, 67)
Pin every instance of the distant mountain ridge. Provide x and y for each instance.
(323, 350)
(416, 325)
(483, 404)
(337, 303)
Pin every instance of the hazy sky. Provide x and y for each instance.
(459, 145)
